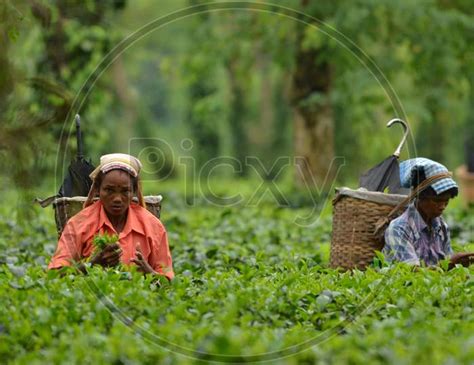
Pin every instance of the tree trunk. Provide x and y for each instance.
(240, 143)
(6, 78)
(313, 117)
(313, 139)
(267, 117)
(128, 105)
(202, 127)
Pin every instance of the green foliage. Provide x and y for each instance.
(249, 281)
(100, 241)
(227, 86)
(42, 71)
(223, 78)
(396, 58)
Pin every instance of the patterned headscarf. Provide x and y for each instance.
(120, 161)
(430, 168)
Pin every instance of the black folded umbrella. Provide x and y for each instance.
(77, 181)
(386, 174)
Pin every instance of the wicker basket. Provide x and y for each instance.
(65, 208)
(355, 214)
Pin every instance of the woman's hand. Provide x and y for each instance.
(142, 264)
(461, 258)
(109, 256)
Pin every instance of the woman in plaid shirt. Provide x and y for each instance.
(420, 236)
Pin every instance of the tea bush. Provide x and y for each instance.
(251, 285)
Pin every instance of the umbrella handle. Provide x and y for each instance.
(80, 153)
(405, 135)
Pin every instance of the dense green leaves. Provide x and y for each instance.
(250, 284)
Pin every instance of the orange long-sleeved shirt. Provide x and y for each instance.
(142, 228)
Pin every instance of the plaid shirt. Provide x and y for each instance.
(409, 239)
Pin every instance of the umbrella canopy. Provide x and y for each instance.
(382, 176)
(386, 174)
(77, 181)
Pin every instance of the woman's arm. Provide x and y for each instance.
(461, 258)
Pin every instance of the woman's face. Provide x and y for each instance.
(116, 192)
(434, 206)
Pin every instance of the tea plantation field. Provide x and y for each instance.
(251, 286)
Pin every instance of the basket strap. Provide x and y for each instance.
(426, 183)
(336, 198)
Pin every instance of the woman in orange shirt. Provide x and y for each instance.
(142, 237)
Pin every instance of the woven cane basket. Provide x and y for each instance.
(65, 208)
(355, 214)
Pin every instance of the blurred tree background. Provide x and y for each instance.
(313, 79)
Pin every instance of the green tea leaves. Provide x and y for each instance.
(100, 241)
